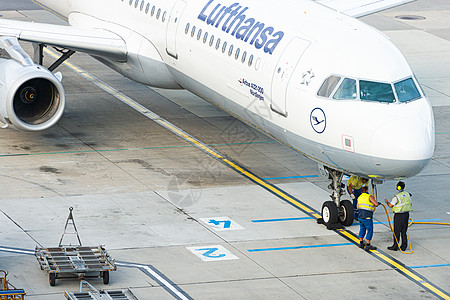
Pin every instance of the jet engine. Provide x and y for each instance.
(31, 97)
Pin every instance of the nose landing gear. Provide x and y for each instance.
(336, 213)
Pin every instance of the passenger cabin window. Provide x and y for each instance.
(187, 28)
(230, 51)
(376, 91)
(147, 8)
(406, 90)
(244, 56)
(347, 90)
(328, 86)
(218, 43)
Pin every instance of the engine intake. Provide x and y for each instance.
(36, 101)
(31, 97)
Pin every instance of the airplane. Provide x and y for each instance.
(307, 73)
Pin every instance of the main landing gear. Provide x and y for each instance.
(336, 213)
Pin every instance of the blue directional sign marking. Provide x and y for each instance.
(226, 224)
(212, 252)
(209, 252)
(221, 223)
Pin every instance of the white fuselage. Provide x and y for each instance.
(265, 62)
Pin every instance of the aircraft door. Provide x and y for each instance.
(283, 73)
(172, 26)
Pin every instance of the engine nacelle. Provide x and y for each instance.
(31, 97)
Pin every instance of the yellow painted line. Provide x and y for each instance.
(438, 292)
(49, 10)
(412, 275)
(270, 187)
(349, 235)
(399, 267)
(166, 124)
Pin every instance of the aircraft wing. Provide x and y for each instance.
(92, 41)
(359, 8)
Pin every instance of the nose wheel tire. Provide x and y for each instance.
(346, 213)
(329, 213)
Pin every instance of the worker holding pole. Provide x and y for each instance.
(401, 206)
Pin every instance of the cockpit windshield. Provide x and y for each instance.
(352, 89)
(347, 90)
(376, 91)
(406, 90)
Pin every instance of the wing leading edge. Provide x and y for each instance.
(92, 41)
(359, 8)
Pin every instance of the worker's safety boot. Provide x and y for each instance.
(370, 247)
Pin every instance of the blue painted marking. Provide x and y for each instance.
(442, 132)
(299, 247)
(209, 252)
(281, 220)
(430, 266)
(226, 224)
(289, 177)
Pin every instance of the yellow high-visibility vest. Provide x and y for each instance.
(403, 204)
(364, 202)
(356, 182)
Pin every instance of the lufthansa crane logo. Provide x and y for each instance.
(318, 120)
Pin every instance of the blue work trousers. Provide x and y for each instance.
(366, 225)
(357, 193)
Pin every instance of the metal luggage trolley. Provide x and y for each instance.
(8, 291)
(67, 261)
(93, 293)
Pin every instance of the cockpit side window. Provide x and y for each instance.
(347, 90)
(328, 86)
(376, 91)
(406, 90)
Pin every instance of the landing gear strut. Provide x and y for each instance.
(336, 213)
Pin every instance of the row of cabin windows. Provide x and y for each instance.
(147, 9)
(217, 44)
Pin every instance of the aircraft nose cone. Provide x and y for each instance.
(403, 147)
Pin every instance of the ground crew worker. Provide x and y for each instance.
(401, 206)
(354, 185)
(366, 205)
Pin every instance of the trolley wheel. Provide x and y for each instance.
(105, 276)
(346, 213)
(52, 279)
(329, 213)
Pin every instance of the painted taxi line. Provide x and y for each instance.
(149, 270)
(305, 208)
